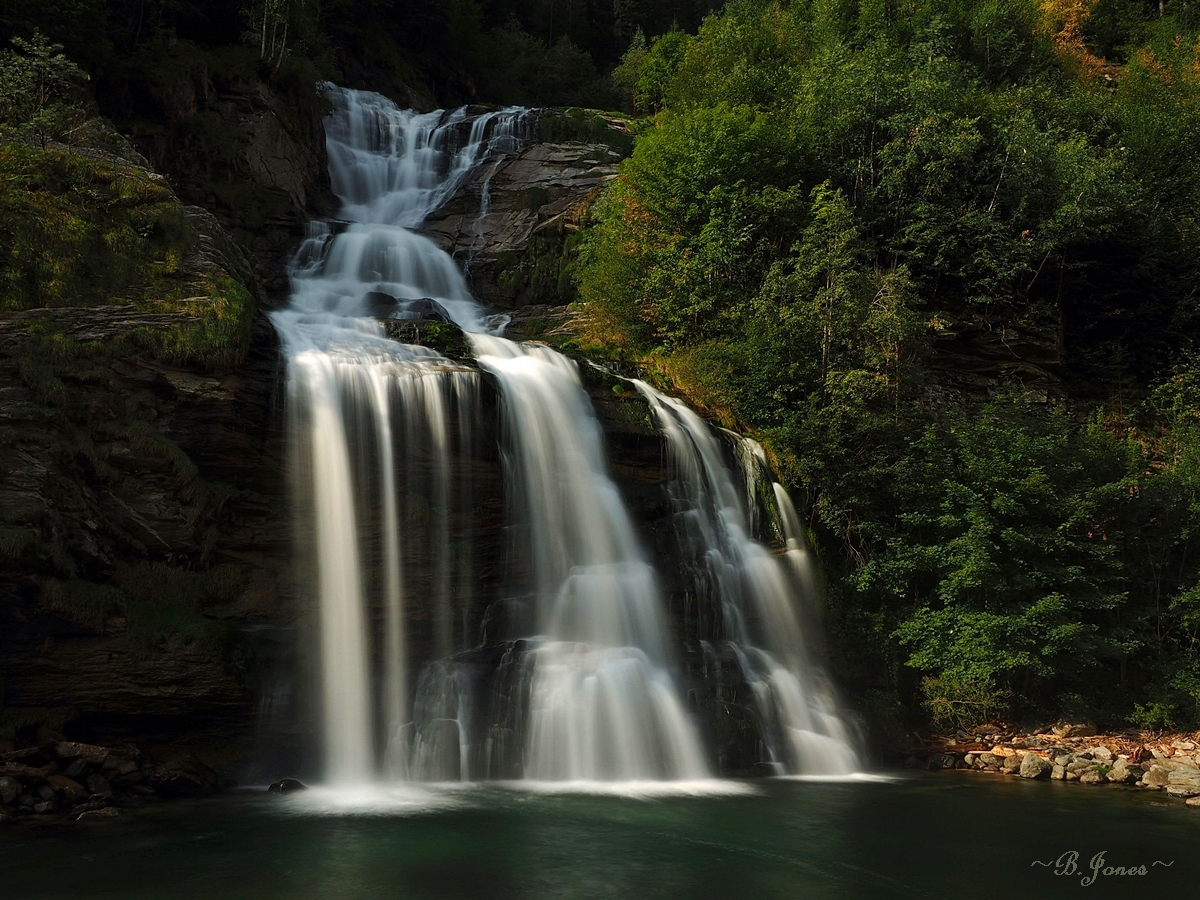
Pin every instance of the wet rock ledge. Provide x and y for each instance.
(1075, 753)
(67, 778)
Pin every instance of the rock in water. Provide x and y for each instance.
(1033, 766)
(287, 786)
(1184, 783)
(1121, 772)
(105, 813)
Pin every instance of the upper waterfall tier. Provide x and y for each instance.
(391, 168)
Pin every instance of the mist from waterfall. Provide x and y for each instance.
(383, 437)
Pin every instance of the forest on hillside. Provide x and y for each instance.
(532, 52)
(824, 196)
(821, 196)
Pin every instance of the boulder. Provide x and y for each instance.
(1123, 773)
(48, 737)
(1184, 783)
(1157, 776)
(1058, 773)
(1193, 801)
(87, 752)
(991, 760)
(1074, 729)
(116, 765)
(185, 777)
(9, 789)
(1080, 765)
(1103, 754)
(99, 785)
(1012, 765)
(68, 787)
(1091, 777)
(28, 773)
(1033, 766)
(287, 786)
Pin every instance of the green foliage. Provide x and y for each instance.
(39, 90)
(821, 189)
(77, 231)
(1004, 524)
(214, 333)
(955, 702)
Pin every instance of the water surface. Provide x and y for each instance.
(947, 834)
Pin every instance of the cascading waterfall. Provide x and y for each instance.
(757, 597)
(356, 396)
(382, 434)
(603, 706)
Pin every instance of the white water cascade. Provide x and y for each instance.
(366, 410)
(758, 596)
(384, 435)
(603, 706)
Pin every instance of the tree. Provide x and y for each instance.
(39, 89)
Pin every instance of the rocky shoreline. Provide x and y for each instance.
(1075, 753)
(67, 778)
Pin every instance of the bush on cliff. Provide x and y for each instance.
(79, 231)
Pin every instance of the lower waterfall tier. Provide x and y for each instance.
(620, 655)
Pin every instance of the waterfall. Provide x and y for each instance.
(572, 676)
(758, 596)
(603, 705)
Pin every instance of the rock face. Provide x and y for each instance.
(251, 152)
(508, 225)
(969, 359)
(147, 503)
(143, 520)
